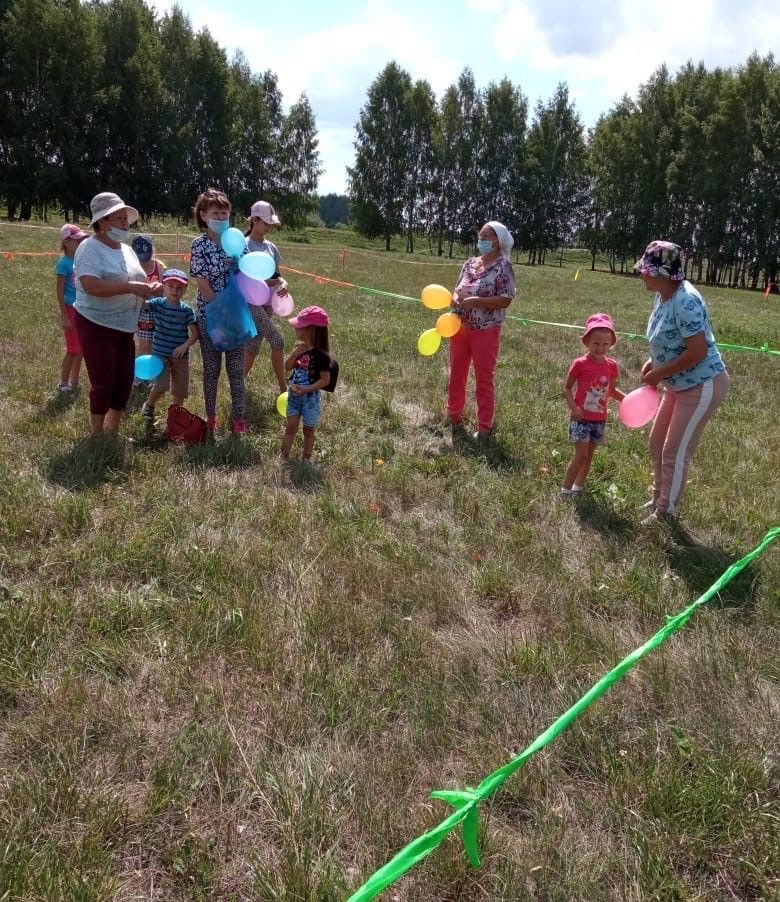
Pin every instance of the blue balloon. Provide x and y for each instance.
(148, 367)
(233, 242)
(257, 265)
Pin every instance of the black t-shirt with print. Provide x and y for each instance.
(308, 366)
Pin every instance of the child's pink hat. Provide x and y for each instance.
(72, 231)
(309, 316)
(599, 321)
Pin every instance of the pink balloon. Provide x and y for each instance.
(639, 406)
(254, 291)
(282, 306)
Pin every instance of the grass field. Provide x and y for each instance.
(220, 679)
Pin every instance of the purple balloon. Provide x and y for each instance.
(254, 291)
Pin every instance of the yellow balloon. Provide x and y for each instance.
(429, 342)
(448, 324)
(281, 404)
(436, 297)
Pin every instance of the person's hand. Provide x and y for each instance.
(647, 366)
(180, 351)
(578, 414)
(298, 390)
(650, 377)
(468, 303)
(65, 322)
(145, 290)
(281, 288)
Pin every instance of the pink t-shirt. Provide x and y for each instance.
(595, 381)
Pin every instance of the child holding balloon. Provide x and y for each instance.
(309, 366)
(594, 375)
(212, 268)
(70, 237)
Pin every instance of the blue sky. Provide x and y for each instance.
(601, 48)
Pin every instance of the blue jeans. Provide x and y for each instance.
(587, 431)
(305, 406)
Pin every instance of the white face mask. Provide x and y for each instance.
(118, 234)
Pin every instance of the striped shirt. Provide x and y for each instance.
(170, 326)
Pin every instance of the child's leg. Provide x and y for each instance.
(582, 455)
(582, 473)
(75, 370)
(154, 396)
(308, 442)
(289, 435)
(180, 380)
(65, 369)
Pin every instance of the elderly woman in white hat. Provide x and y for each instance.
(485, 288)
(111, 286)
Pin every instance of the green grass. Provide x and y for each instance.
(220, 679)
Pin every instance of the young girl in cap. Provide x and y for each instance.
(263, 218)
(144, 250)
(309, 366)
(594, 375)
(70, 237)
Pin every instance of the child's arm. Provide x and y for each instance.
(616, 393)
(64, 320)
(315, 386)
(289, 363)
(194, 338)
(574, 409)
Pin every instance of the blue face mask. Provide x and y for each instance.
(118, 234)
(218, 226)
(484, 246)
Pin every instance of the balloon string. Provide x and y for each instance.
(466, 802)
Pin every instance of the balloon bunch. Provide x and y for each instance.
(254, 268)
(437, 297)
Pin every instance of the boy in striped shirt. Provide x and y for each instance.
(175, 332)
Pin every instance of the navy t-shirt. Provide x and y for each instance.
(308, 366)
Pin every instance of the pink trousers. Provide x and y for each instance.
(676, 432)
(480, 346)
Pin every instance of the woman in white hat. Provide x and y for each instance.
(485, 288)
(110, 289)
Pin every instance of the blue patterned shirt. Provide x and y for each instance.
(684, 315)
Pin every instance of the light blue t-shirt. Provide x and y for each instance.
(64, 267)
(684, 315)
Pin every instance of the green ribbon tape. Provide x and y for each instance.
(466, 802)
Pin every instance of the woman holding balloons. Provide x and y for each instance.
(262, 218)
(483, 291)
(685, 358)
(212, 266)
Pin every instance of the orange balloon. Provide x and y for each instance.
(448, 324)
(436, 297)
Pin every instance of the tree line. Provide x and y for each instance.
(694, 158)
(110, 96)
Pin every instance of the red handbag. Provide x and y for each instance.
(184, 427)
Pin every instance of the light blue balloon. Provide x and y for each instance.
(233, 242)
(257, 265)
(148, 367)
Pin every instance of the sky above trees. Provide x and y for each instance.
(602, 49)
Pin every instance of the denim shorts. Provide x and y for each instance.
(305, 406)
(587, 431)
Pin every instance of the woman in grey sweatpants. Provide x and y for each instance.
(685, 359)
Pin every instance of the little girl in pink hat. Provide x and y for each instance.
(590, 383)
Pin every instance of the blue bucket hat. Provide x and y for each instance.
(142, 245)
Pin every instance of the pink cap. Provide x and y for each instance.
(599, 321)
(72, 231)
(263, 210)
(309, 316)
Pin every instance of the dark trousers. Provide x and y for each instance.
(110, 359)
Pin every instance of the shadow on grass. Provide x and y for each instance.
(699, 566)
(305, 477)
(261, 413)
(58, 405)
(493, 449)
(92, 462)
(233, 452)
(595, 513)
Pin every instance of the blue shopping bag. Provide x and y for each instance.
(229, 323)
